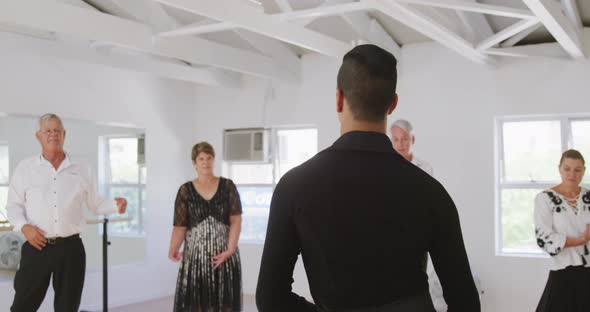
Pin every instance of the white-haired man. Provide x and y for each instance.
(45, 202)
(403, 139)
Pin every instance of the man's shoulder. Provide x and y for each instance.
(419, 161)
(307, 169)
(28, 162)
(422, 164)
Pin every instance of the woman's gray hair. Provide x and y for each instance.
(403, 124)
(49, 116)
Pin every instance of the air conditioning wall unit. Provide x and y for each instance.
(246, 145)
(141, 150)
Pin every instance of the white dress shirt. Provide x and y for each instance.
(53, 200)
(426, 167)
(555, 221)
(435, 287)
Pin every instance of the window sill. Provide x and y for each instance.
(523, 255)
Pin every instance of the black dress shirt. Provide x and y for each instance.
(363, 219)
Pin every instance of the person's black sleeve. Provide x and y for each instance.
(450, 258)
(281, 249)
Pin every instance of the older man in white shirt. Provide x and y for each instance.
(45, 202)
(403, 139)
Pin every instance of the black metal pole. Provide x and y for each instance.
(105, 281)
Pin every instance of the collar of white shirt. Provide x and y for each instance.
(67, 162)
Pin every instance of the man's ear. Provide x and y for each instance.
(393, 105)
(339, 101)
(38, 135)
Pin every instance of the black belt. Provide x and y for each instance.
(58, 240)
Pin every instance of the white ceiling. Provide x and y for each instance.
(262, 38)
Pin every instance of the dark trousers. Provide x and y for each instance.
(64, 263)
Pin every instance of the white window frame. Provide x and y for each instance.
(106, 185)
(7, 184)
(566, 143)
(273, 160)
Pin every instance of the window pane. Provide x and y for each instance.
(531, 150)
(3, 197)
(133, 210)
(581, 138)
(255, 206)
(518, 229)
(4, 164)
(251, 173)
(123, 160)
(142, 175)
(295, 147)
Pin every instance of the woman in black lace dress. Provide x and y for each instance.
(207, 217)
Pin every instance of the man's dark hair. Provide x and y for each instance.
(367, 79)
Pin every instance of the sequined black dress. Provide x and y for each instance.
(199, 288)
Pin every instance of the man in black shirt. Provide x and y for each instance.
(363, 217)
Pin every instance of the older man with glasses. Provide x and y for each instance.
(45, 202)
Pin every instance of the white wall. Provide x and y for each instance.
(36, 85)
(452, 103)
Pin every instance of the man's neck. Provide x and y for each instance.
(356, 125)
(55, 158)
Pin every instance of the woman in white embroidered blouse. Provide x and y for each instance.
(562, 229)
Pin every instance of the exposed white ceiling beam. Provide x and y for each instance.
(308, 20)
(274, 49)
(245, 17)
(305, 15)
(506, 33)
(370, 29)
(562, 29)
(78, 3)
(571, 10)
(338, 7)
(423, 24)
(27, 31)
(198, 29)
(518, 37)
(329, 8)
(477, 26)
(463, 5)
(20, 45)
(59, 18)
(547, 50)
(445, 18)
(284, 5)
(148, 12)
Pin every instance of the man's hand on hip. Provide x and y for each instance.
(35, 236)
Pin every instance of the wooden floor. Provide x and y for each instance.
(165, 305)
